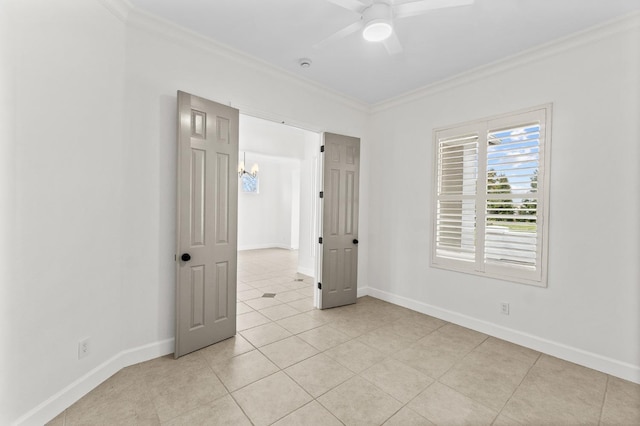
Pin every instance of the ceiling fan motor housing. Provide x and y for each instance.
(377, 20)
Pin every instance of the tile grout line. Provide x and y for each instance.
(498, 412)
(385, 358)
(208, 364)
(518, 386)
(604, 399)
(283, 370)
(403, 404)
(351, 338)
(225, 385)
(456, 363)
(313, 398)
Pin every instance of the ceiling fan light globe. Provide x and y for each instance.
(378, 30)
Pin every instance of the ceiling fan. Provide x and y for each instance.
(377, 19)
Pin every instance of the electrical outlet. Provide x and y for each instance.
(504, 308)
(83, 348)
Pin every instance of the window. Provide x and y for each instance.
(492, 198)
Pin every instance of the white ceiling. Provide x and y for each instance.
(437, 45)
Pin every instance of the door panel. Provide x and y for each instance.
(197, 297)
(206, 223)
(340, 221)
(222, 183)
(222, 276)
(197, 196)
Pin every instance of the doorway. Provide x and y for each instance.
(277, 221)
(207, 290)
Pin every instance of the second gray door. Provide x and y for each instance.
(340, 220)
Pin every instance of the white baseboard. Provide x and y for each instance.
(57, 403)
(264, 246)
(601, 363)
(306, 271)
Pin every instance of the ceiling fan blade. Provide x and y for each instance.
(353, 5)
(392, 44)
(419, 7)
(338, 35)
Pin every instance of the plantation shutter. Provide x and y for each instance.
(491, 197)
(457, 176)
(512, 202)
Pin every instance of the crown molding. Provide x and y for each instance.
(137, 18)
(629, 22)
(145, 21)
(119, 8)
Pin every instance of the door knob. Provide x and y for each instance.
(185, 257)
(355, 241)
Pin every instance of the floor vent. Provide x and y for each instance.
(269, 295)
(299, 279)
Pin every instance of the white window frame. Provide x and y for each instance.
(475, 262)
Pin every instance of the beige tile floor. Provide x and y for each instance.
(371, 363)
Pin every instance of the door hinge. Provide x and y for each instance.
(175, 257)
(321, 194)
(321, 148)
(319, 286)
(320, 240)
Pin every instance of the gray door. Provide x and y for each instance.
(339, 278)
(207, 196)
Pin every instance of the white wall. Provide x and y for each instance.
(68, 166)
(294, 175)
(590, 312)
(94, 153)
(7, 188)
(271, 138)
(266, 219)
